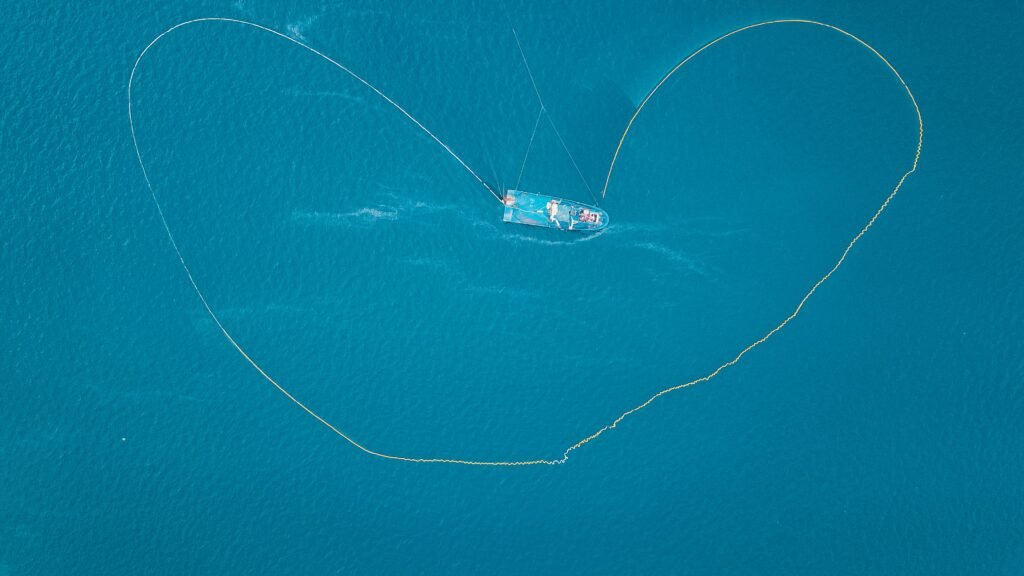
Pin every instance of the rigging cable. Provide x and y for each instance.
(529, 146)
(544, 110)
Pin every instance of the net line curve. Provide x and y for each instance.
(694, 54)
(597, 434)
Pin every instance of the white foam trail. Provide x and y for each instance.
(368, 214)
(299, 28)
(674, 256)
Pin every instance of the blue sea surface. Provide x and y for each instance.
(881, 432)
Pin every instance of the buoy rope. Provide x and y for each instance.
(566, 453)
(684, 61)
(337, 64)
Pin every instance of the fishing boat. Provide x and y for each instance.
(551, 212)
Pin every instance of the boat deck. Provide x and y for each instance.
(552, 212)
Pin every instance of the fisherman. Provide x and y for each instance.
(552, 207)
(552, 210)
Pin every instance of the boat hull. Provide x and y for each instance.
(552, 212)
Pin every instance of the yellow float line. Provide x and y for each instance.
(624, 415)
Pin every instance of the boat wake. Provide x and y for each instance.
(364, 216)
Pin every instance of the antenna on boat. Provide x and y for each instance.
(544, 112)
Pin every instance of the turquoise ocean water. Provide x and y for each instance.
(882, 432)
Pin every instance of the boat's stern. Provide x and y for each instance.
(589, 218)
